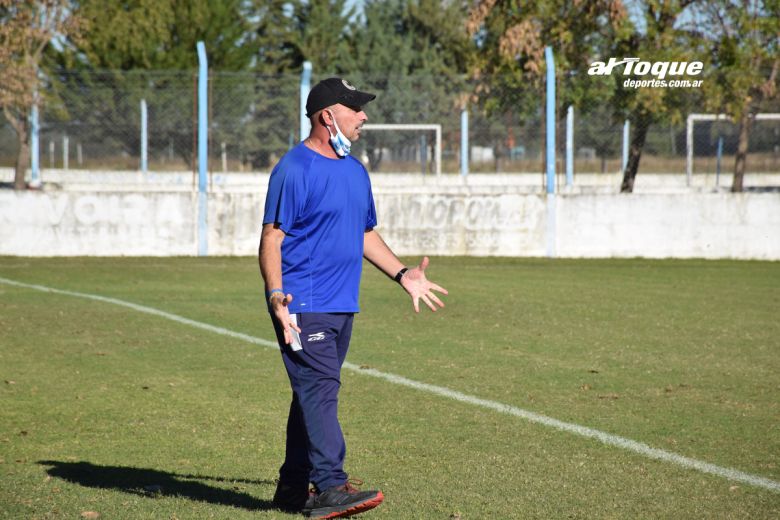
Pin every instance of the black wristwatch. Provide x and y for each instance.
(400, 274)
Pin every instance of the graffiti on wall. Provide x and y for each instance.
(97, 223)
(461, 223)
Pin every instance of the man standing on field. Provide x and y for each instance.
(318, 225)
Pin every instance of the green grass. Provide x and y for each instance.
(98, 402)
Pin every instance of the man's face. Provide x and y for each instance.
(350, 120)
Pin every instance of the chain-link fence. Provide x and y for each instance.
(94, 121)
(715, 145)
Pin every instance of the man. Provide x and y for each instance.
(318, 225)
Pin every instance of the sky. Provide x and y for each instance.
(355, 3)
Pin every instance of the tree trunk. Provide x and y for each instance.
(498, 157)
(742, 148)
(22, 155)
(374, 157)
(641, 124)
(22, 160)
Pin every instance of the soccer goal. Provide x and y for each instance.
(763, 142)
(415, 127)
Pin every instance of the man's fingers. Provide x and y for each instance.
(428, 302)
(296, 327)
(435, 299)
(287, 336)
(416, 302)
(438, 288)
(424, 263)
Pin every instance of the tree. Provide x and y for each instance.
(510, 66)
(27, 27)
(410, 54)
(276, 38)
(580, 32)
(598, 130)
(287, 33)
(320, 34)
(744, 41)
(146, 49)
(656, 31)
(162, 34)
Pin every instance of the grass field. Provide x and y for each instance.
(133, 416)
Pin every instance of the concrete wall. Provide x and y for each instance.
(41, 223)
(416, 217)
(584, 225)
(713, 225)
(682, 225)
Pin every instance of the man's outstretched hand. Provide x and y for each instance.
(420, 288)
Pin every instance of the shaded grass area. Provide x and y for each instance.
(133, 416)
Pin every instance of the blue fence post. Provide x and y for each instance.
(626, 132)
(550, 62)
(550, 143)
(570, 146)
(305, 87)
(464, 141)
(35, 148)
(203, 139)
(144, 137)
(720, 156)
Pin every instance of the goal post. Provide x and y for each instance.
(692, 118)
(404, 126)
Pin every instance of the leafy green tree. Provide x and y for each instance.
(271, 124)
(27, 28)
(411, 55)
(509, 69)
(320, 30)
(743, 39)
(597, 128)
(161, 34)
(656, 31)
(398, 49)
(276, 38)
(287, 34)
(139, 49)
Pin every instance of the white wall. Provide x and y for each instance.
(712, 225)
(97, 223)
(416, 217)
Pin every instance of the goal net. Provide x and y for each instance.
(401, 148)
(712, 140)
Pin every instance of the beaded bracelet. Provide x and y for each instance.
(270, 293)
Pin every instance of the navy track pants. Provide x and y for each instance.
(315, 444)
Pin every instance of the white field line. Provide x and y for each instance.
(583, 431)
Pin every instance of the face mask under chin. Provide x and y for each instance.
(341, 145)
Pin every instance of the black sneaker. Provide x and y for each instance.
(342, 501)
(290, 497)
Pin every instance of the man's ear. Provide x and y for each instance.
(326, 118)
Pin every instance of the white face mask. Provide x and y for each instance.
(339, 141)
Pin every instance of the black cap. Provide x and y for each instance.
(335, 90)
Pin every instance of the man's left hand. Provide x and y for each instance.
(420, 288)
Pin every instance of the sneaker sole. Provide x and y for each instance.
(332, 512)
